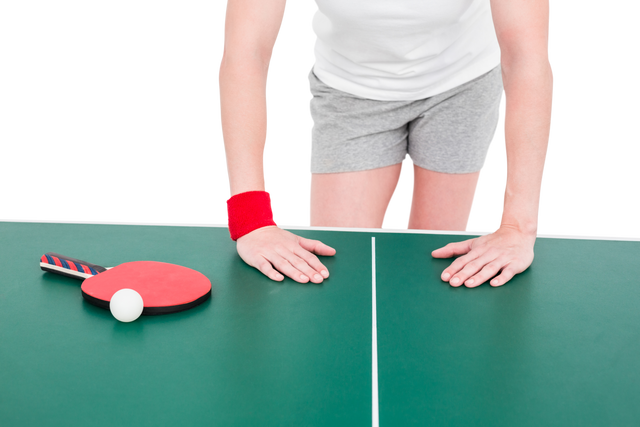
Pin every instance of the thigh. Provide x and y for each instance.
(441, 201)
(352, 199)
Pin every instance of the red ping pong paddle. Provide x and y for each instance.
(164, 288)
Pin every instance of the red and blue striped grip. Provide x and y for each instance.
(70, 267)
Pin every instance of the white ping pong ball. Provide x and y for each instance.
(126, 305)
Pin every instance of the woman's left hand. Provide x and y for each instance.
(508, 251)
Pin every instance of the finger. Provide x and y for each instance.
(303, 266)
(320, 271)
(453, 249)
(456, 266)
(267, 269)
(316, 247)
(484, 274)
(472, 267)
(291, 270)
(506, 275)
(282, 266)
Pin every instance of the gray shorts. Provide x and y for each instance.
(449, 132)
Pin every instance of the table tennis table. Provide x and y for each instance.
(382, 342)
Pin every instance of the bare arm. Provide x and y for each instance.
(250, 33)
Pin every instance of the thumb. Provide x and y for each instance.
(453, 249)
(316, 247)
(443, 252)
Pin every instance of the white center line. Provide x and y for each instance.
(375, 417)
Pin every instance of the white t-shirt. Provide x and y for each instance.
(403, 49)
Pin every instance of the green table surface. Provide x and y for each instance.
(557, 346)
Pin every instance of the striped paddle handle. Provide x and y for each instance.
(70, 267)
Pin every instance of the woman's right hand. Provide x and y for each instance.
(276, 252)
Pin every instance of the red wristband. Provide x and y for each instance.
(249, 211)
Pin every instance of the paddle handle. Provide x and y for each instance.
(70, 267)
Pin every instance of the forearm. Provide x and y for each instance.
(244, 121)
(528, 86)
